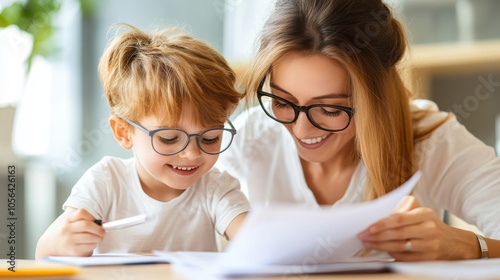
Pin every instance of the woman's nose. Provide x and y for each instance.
(302, 126)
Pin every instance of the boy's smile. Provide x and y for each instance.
(189, 168)
(184, 170)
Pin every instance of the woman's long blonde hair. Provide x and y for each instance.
(368, 41)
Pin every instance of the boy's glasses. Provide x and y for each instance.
(167, 141)
(331, 118)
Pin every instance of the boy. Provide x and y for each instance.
(170, 96)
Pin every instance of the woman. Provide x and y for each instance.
(336, 125)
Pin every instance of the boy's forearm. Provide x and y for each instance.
(235, 225)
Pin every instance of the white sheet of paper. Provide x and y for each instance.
(295, 235)
(106, 259)
(295, 240)
(473, 269)
(201, 265)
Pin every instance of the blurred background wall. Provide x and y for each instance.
(57, 127)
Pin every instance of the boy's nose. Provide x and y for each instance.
(192, 150)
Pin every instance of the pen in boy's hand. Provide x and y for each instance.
(125, 223)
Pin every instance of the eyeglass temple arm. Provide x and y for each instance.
(138, 126)
(232, 126)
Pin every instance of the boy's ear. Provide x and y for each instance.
(121, 131)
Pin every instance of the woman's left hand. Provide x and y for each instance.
(416, 233)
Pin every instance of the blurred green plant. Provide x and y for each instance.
(37, 18)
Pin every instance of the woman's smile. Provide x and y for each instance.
(313, 143)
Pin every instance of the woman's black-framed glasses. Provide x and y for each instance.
(331, 118)
(168, 141)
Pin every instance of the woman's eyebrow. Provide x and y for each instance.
(325, 96)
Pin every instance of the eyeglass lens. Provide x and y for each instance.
(323, 116)
(172, 141)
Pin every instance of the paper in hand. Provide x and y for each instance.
(296, 235)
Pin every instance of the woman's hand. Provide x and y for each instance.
(74, 233)
(416, 233)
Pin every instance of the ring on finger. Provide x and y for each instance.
(407, 246)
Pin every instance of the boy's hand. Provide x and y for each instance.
(79, 234)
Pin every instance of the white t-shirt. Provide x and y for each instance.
(459, 172)
(111, 190)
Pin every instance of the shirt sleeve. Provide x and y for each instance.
(461, 175)
(227, 201)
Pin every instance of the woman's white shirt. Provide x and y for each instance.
(459, 172)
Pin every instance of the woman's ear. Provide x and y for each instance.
(121, 131)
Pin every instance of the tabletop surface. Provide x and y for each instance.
(165, 271)
(487, 269)
(168, 272)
